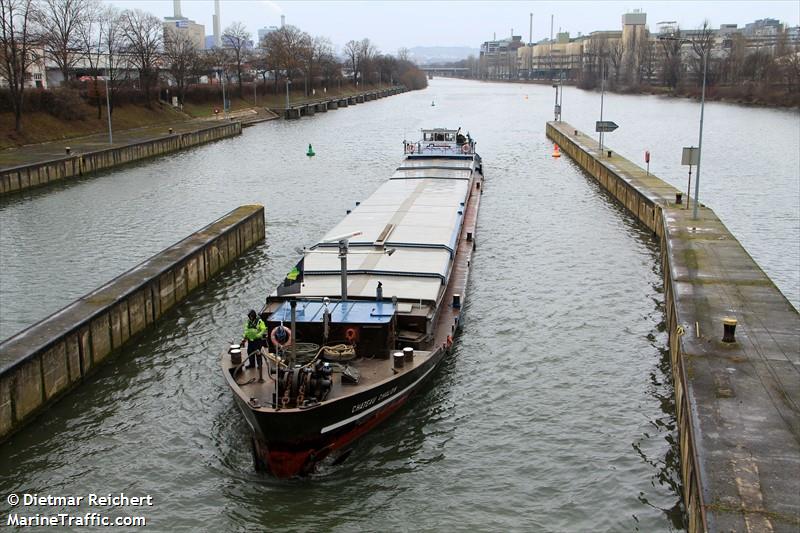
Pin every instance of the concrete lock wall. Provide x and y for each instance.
(41, 363)
(649, 213)
(738, 446)
(26, 176)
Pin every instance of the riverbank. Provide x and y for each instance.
(40, 164)
(41, 127)
(84, 159)
(750, 94)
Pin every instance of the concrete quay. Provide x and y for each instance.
(38, 165)
(308, 108)
(43, 362)
(737, 403)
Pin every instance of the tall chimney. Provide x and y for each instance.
(217, 32)
(530, 32)
(283, 21)
(176, 7)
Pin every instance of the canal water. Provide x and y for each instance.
(554, 413)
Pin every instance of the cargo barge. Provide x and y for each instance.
(367, 314)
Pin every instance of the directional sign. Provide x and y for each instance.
(605, 126)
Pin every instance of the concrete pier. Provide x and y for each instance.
(309, 108)
(737, 403)
(77, 163)
(43, 362)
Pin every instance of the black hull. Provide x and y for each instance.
(289, 442)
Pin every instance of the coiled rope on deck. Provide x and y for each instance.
(339, 352)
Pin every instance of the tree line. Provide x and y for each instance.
(92, 37)
(674, 61)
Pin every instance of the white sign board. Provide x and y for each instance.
(690, 156)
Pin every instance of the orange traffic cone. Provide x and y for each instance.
(556, 151)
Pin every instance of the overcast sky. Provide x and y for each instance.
(392, 25)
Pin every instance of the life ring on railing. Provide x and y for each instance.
(351, 334)
(465, 148)
(286, 333)
(409, 148)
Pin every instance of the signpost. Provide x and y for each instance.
(601, 127)
(690, 157)
(605, 126)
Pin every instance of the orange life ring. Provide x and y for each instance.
(449, 341)
(351, 334)
(465, 148)
(410, 148)
(274, 339)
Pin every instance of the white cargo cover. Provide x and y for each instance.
(418, 214)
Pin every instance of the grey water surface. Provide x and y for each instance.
(554, 412)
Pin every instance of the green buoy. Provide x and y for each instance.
(310, 152)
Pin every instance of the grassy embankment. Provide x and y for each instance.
(38, 127)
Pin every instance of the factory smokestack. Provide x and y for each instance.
(176, 6)
(216, 21)
(283, 21)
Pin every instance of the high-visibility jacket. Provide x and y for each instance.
(254, 331)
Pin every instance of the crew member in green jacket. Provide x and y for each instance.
(255, 331)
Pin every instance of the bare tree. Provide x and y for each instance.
(734, 58)
(646, 52)
(91, 35)
(313, 51)
(671, 60)
(595, 57)
(368, 52)
(790, 65)
(615, 52)
(261, 61)
(116, 66)
(403, 54)
(61, 22)
(352, 52)
(235, 38)
(16, 25)
(180, 56)
(142, 33)
(702, 42)
(284, 46)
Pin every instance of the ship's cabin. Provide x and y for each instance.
(442, 135)
(369, 326)
(440, 142)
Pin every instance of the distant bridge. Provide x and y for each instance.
(445, 71)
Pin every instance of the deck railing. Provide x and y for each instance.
(439, 148)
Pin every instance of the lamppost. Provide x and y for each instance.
(555, 108)
(108, 112)
(602, 95)
(224, 99)
(288, 82)
(700, 139)
(705, 53)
